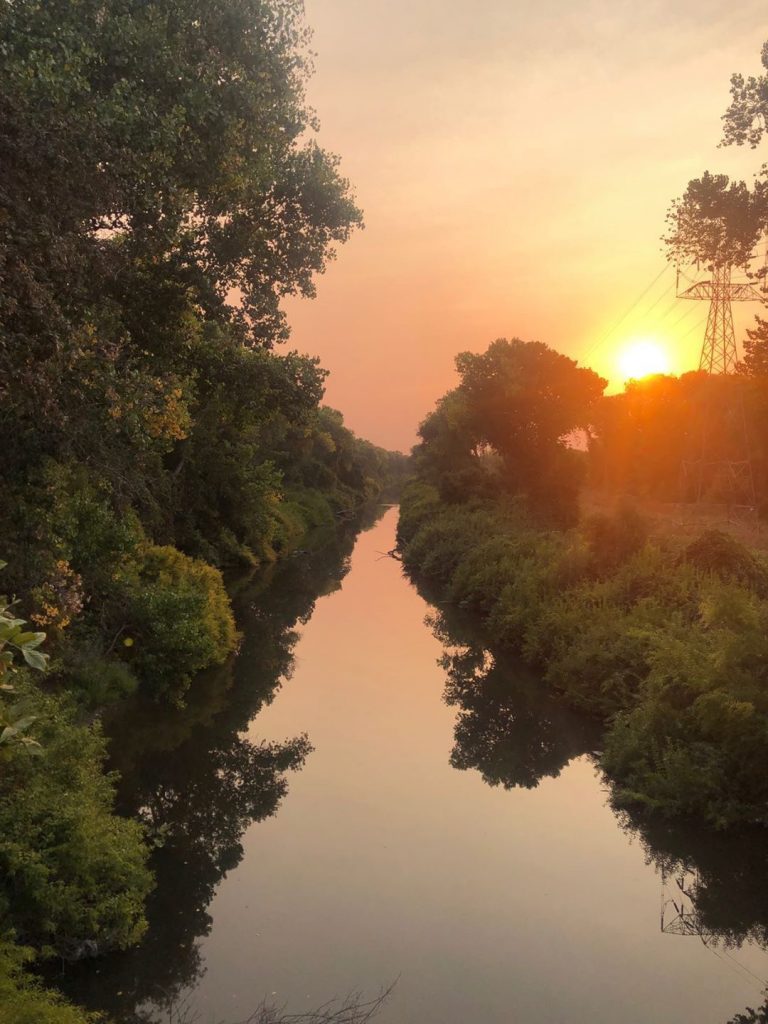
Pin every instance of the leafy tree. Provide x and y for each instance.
(172, 135)
(755, 360)
(716, 223)
(520, 401)
(746, 119)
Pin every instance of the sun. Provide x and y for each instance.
(642, 358)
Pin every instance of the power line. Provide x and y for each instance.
(691, 309)
(662, 296)
(623, 317)
(695, 327)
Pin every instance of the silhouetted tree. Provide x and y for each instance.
(518, 401)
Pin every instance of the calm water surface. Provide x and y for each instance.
(407, 846)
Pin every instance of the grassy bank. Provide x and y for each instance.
(666, 642)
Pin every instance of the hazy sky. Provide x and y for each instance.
(514, 160)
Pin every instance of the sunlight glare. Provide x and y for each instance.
(642, 358)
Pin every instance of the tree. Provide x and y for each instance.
(518, 400)
(745, 123)
(173, 132)
(716, 223)
(746, 120)
(159, 174)
(755, 361)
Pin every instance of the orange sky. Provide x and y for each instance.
(514, 160)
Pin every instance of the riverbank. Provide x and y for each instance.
(79, 857)
(666, 643)
(447, 829)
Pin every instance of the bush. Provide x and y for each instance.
(98, 681)
(73, 876)
(176, 620)
(670, 651)
(612, 539)
(720, 554)
(23, 1000)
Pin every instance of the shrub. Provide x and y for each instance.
(670, 651)
(23, 1000)
(612, 539)
(98, 681)
(720, 554)
(176, 619)
(73, 876)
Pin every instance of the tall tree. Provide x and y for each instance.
(716, 223)
(158, 163)
(518, 401)
(746, 119)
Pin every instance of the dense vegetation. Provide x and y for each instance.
(665, 641)
(162, 192)
(673, 438)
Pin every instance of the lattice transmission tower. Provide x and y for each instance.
(679, 915)
(719, 353)
(715, 472)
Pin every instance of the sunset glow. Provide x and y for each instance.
(642, 358)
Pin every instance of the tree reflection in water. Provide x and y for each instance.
(718, 881)
(515, 732)
(509, 727)
(198, 783)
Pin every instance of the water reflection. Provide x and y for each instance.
(751, 1016)
(719, 880)
(198, 783)
(509, 727)
(515, 732)
(713, 889)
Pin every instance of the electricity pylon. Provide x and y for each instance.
(719, 355)
(678, 911)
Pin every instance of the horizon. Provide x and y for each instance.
(424, 103)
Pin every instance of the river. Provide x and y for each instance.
(466, 851)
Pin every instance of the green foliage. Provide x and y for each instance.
(611, 540)
(716, 223)
(15, 640)
(669, 648)
(97, 681)
(159, 161)
(418, 502)
(16, 715)
(747, 117)
(176, 619)
(719, 553)
(23, 1000)
(73, 876)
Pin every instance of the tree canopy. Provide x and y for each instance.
(517, 403)
(716, 223)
